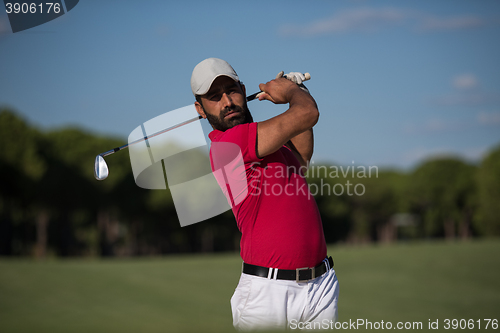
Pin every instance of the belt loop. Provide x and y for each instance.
(275, 274)
(327, 264)
(270, 273)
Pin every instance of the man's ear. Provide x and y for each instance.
(243, 88)
(200, 110)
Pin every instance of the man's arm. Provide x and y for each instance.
(302, 146)
(294, 126)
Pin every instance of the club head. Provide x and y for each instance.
(101, 170)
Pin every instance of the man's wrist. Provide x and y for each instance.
(297, 95)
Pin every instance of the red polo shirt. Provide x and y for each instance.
(277, 215)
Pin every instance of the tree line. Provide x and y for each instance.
(51, 204)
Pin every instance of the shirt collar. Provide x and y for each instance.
(214, 135)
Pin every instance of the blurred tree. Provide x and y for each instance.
(21, 166)
(379, 202)
(357, 202)
(442, 192)
(50, 201)
(487, 219)
(85, 207)
(61, 192)
(333, 203)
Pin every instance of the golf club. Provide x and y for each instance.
(101, 170)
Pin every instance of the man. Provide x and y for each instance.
(287, 278)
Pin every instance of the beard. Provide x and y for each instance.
(242, 116)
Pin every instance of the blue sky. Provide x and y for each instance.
(396, 82)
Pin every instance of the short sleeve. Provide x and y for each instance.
(245, 136)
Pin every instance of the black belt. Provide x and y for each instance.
(299, 274)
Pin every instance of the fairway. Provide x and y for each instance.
(411, 282)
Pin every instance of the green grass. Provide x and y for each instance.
(404, 282)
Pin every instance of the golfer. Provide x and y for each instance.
(286, 276)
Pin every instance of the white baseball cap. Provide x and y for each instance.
(205, 73)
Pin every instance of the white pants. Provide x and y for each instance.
(262, 303)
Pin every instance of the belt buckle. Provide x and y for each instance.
(297, 274)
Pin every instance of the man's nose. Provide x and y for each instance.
(226, 100)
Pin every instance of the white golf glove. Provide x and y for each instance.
(295, 77)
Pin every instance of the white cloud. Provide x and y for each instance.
(489, 118)
(433, 23)
(466, 99)
(366, 19)
(162, 30)
(356, 19)
(465, 81)
(468, 93)
(435, 125)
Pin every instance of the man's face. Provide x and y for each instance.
(225, 105)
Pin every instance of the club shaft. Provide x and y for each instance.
(109, 152)
(114, 150)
